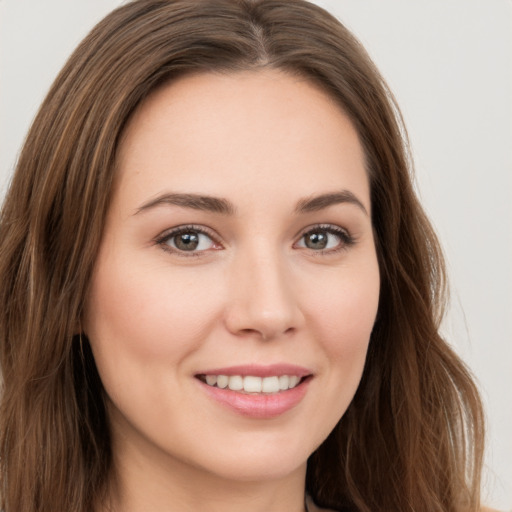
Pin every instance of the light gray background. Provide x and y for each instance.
(449, 65)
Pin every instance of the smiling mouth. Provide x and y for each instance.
(251, 384)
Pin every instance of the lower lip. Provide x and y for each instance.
(258, 405)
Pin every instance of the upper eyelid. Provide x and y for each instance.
(322, 226)
(210, 232)
(161, 240)
(170, 232)
(347, 239)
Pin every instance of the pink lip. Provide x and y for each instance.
(259, 370)
(258, 406)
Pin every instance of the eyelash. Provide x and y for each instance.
(169, 235)
(346, 239)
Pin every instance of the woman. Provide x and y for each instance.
(219, 289)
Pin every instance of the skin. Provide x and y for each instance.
(253, 292)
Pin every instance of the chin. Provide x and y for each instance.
(276, 467)
(260, 457)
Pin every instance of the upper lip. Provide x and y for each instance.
(257, 370)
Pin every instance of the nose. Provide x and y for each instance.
(263, 300)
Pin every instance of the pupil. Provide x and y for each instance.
(316, 240)
(187, 241)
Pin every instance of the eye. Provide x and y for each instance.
(187, 239)
(325, 238)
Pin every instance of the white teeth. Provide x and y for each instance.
(270, 385)
(222, 381)
(236, 383)
(211, 380)
(253, 384)
(294, 380)
(284, 382)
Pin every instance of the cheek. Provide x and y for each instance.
(139, 315)
(342, 319)
(341, 313)
(143, 322)
(346, 305)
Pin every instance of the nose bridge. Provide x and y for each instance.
(262, 294)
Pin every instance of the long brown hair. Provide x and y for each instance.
(412, 438)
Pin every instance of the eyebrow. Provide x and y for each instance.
(225, 207)
(194, 201)
(317, 203)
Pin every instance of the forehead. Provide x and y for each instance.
(221, 133)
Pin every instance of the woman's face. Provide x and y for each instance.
(237, 282)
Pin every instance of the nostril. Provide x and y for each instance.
(263, 315)
(267, 333)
